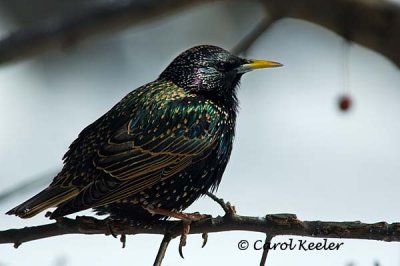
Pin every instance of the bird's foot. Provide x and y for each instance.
(186, 229)
(110, 222)
(187, 219)
(110, 227)
(193, 217)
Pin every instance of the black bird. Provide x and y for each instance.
(160, 148)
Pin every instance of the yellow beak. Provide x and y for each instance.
(257, 64)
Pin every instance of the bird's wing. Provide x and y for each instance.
(152, 146)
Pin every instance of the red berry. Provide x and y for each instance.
(344, 103)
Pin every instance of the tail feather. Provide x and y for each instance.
(66, 208)
(49, 197)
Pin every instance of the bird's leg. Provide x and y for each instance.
(186, 218)
(193, 217)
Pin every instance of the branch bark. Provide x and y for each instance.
(272, 225)
(372, 23)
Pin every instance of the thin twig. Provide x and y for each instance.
(161, 251)
(23, 187)
(244, 45)
(220, 201)
(268, 239)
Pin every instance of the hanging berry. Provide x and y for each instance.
(345, 102)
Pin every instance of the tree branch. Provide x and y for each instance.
(25, 186)
(161, 251)
(268, 239)
(63, 32)
(273, 225)
(243, 45)
(372, 23)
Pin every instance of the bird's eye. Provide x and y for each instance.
(221, 66)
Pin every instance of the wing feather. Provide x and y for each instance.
(155, 149)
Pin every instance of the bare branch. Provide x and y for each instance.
(220, 202)
(31, 184)
(268, 239)
(161, 251)
(63, 32)
(252, 36)
(372, 23)
(228, 208)
(273, 224)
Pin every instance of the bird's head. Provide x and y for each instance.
(211, 71)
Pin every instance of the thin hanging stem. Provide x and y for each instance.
(346, 44)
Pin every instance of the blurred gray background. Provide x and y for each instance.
(294, 151)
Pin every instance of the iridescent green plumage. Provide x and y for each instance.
(162, 146)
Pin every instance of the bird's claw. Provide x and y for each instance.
(111, 231)
(110, 224)
(123, 240)
(189, 218)
(205, 239)
(185, 232)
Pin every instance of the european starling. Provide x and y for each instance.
(161, 147)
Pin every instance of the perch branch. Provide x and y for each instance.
(272, 224)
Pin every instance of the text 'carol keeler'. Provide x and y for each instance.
(291, 244)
